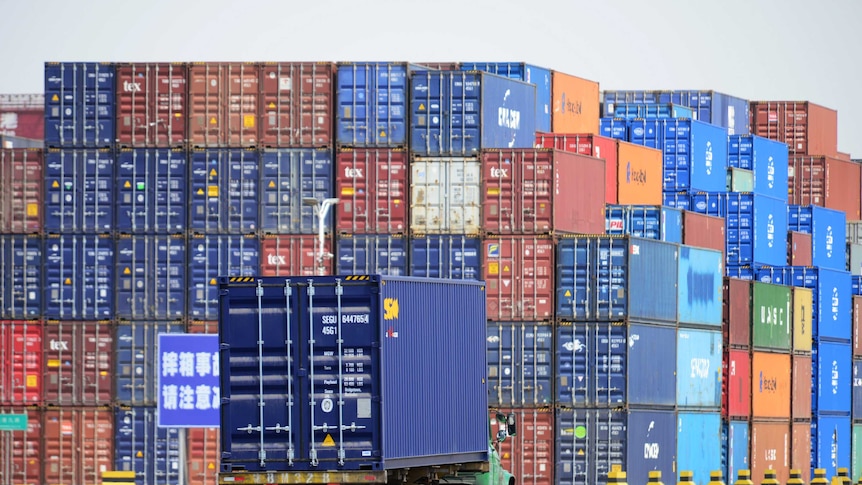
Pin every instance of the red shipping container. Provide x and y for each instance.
(800, 385)
(800, 448)
(151, 104)
(592, 145)
(542, 191)
(21, 451)
(372, 187)
(79, 362)
(23, 115)
(806, 128)
(293, 255)
(799, 249)
(529, 455)
(827, 182)
(203, 456)
(297, 103)
(78, 444)
(770, 448)
(519, 277)
(843, 156)
(21, 354)
(224, 99)
(703, 231)
(21, 190)
(736, 384)
(737, 313)
(202, 326)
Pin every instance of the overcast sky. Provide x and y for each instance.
(764, 50)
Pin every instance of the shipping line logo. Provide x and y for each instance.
(708, 158)
(575, 108)
(770, 230)
(509, 118)
(638, 176)
(770, 173)
(829, 241)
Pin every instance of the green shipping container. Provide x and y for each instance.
(740, 180)
(856, 453)
(771, 316)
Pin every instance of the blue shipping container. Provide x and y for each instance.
(857, 390)
(699, 363)
(288, 177)
(830, 442)
(539, 76)
(80, 104)
(151, 277)
(646, 221)
(224, 190)
(20, 276)
(611, 365)
(699, 443)
(741, 272)
(371, 99)
(136, 377)
(710, 106)
(79, 191)
(140, 445)
(828, 229)
(372, 254)
(856, 284)
(210, 257)
(678, 200)
(652, 111)
(406, 342)
(458, 113)
(78, 278)
(608, 278)
(152, 190)
(832, 376)
(700, 286)
(616, 128)
(520, 364)
(766, 159)
(734, 448)
(446, 256)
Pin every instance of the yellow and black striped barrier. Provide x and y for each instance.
(686, 477)
(795, 477)
(116, 477)
(655, 478)
(842, 477)
(716, 478)
(617, 476)
(819, 477)
(743, 477)
(769, 478)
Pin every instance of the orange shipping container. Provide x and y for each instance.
(203, 456)
(576, 104)
(770, 449)
(639, 174)
(770, 385)
(800, 449)
(78, 444)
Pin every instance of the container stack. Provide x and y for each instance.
(22, 120)
(736, 377)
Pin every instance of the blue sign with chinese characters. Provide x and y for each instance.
(188, 381)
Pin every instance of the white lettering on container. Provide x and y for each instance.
(651, 451)
(130, 87)
(700, 368)
(509, 118)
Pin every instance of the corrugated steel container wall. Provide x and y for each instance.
(639, 174)
(457, 113)
(771, 316)
(698, 368)
(854, 259)
(735, 445)
(372, 104)
(202, 326)
(770, 385)
(23, 116)
(520, 364)
(445, 195)
(856, 453)
(710, 106)
(608, 278)
(592, 145)
(651, 443)
(151, 104)
(704, 231)
(546, 82)
(21, 276)
(680, 200)
(617, 129)
(529, 455)
(770, 449)
(856, 399)
(446, 256)
(371, 254)
(828, 229)
(767, 159)
(136, 357)
(739, 180)
(856, 285)
(78, 277)
(287, 177)
(737, 313)
(79, 191)
(830, 442)
(826, 182)
(740, 272)
(649, 222)
(141, 446)
(372, 186)
(78, 360)
(297, 104)
(736, 384)
(542, 191)
(832, 301)
(78, 444)
(805, 127)
(152, 191)
(799, 249)
(213, 256)
(223, 104)
(151, 277)
(21, 351)
(698, 443)
(600, 364)
(9, 141)
(800, 387)
(21, 451)
(700, 286)
(224, 190)
(854, 231)
(632, 111)
(832, 378)
(21, 193)
(800, 448)
(80, 104)
(803, 302)
(202, 456)
(519, 272)
(295, 255)
(409, 321)
(575, 104)
(857, 325)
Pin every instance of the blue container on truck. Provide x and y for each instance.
(78, 277)
(678, 200)
(857, 390)
(830, 442)
(79, 191)
(649, 111)
(520, 364)
(459, 113)
(372, 254)
(211, 256)
(712, 107)
(386, 372)
(612, 278)
(734, 448)
(766, 159)
(287, 177)
(151, 276)
(454, 256)
(698, 443)
(832, 378)
(828, 229)
(152, 190)
(20, 276)
(224, 190)
(80, 104)
(371, 103)
(600, 364)
(141, 446)
(136, 378)
(646, 221)
(539, 76)
(701, 272)
(698, 372)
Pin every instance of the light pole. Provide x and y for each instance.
(320, 210)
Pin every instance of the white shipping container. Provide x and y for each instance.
(854, 232)
(445, 195)
(854, 259)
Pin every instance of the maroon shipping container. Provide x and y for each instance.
(827, 182)
(202, 326)
(78, 444)
(770, 448)
(736, 384)
(292, 255)
(79, 362)
(737, 313)
(297, 103)
(703, 231)
(542, 191)
(592, 145)
(372, 187)
(799, 248)
(21, 355)
(519, 274)
(224, 103)
(800, 448)
(529, 455)
(151, 104)
(21, 451)
(22, 115)
(806, 128)
(857, 326)
(843, 156)
(202, 456)
(21, 190)
(800, 385)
